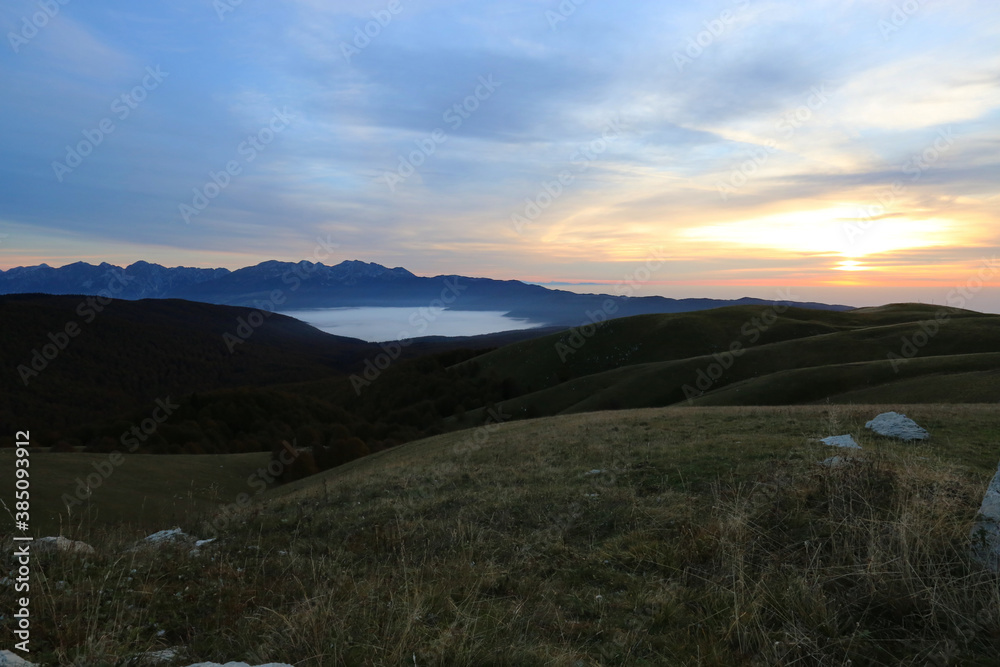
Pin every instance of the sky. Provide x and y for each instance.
(841, 151)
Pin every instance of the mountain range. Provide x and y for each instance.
(284, 286)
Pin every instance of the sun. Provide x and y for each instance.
(851, 265)
(842, 230)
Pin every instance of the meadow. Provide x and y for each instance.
(681, 536)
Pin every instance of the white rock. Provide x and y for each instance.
(164, 537)
(986, 531)
(171, 535)
(45, 544)
(8, 659)
(199, 544)
(841, 441)
(895, 425)
(834, 462)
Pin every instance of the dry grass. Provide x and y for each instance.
(710, 537)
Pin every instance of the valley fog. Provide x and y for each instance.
(379, 324)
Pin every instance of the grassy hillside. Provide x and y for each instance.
(127, 354)
(547, 361)
(243, 384)
(697, 536)
(801, 356)
(962, 378)
(408, 400)
(289, 381)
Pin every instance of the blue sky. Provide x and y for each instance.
(849, 149)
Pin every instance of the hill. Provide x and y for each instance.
(659, 536)
(83, 371)
(288, 381)
(124, 355)
(749, 356)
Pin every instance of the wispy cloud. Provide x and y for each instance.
(806, 113)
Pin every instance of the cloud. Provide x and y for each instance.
(839, 108)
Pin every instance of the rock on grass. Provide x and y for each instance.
(895, 425)
(841, 441)
(44, 544)
(986, 532)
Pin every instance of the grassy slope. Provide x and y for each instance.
(146, 491)
(698, 443)
(868, 336)
(536, 364)
(134, 352)
(964, 378)
(709, 537)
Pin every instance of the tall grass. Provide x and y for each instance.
(515, 556)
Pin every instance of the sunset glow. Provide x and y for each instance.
(832, 147)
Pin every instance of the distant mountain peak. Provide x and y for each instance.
(145, 280)
(350, 283)
(358, 268)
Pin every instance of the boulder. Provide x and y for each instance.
(9, 659)
(986, 531)
(171, 535)
(162, 538)
(46, 544)
(841, 441)
(895, 425)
